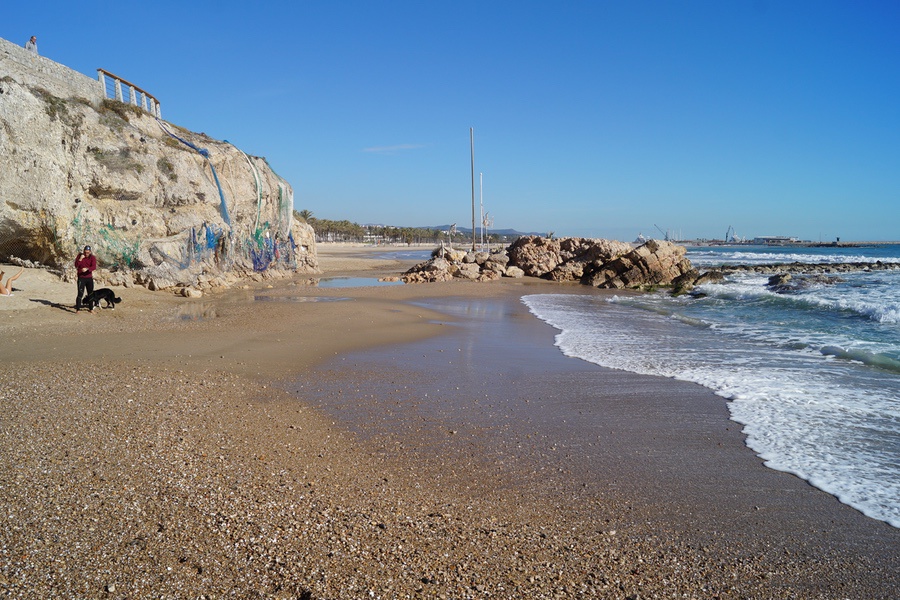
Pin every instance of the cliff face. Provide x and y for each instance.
(160, 205)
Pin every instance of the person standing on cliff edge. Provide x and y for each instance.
(85, 265)
(31, 45)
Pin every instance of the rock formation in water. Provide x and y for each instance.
(160, 205)
(597, 262)
(781, 280)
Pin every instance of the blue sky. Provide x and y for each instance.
(591, 118)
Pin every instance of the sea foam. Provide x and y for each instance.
(828, 417)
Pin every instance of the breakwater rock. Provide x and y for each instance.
(447, 263)
(596, 262)
(811, 268)
(786, 283)
(781, 280)
(564, 259)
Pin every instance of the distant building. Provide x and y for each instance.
(775, 240)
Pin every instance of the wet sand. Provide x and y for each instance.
(402, 441)
(649, 457)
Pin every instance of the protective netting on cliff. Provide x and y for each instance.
(285, 207)
(265, 248)
(112, 245)
(268, 244)
(262, 248)
(208, 244)
(212, 243)
(223, 206)
(15, 250)
(117, 248)
(37, 240)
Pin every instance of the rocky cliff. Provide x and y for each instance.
(160, 205)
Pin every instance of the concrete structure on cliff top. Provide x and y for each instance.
(90, 161)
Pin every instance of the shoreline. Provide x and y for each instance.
(177, 446)
(662, 457)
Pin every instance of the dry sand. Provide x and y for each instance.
(297, 441)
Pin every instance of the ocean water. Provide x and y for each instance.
(813, 375)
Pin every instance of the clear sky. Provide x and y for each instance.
(592, 118)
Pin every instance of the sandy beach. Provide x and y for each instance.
(293, 440)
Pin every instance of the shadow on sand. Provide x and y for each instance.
(64, 307)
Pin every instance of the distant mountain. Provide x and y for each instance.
(468, 230)
(507, 233)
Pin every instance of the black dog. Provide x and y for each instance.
(105, 294)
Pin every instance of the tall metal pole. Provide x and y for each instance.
(472, 148)
(481, 203)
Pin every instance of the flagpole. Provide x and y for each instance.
(481, 202)
(472, 148)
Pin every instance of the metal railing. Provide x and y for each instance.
(116, 88)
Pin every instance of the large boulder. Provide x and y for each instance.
(467, 270)
(535, 255)
(599, 262)
(653, 263)
(497, 261)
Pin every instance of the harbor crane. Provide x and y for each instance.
(665, 233)
(731, 236)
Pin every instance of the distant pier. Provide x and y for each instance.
(797, 244)
(847, 244)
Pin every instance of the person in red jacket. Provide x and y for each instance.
(85, 265)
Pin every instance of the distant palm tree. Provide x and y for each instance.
(304, 214)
